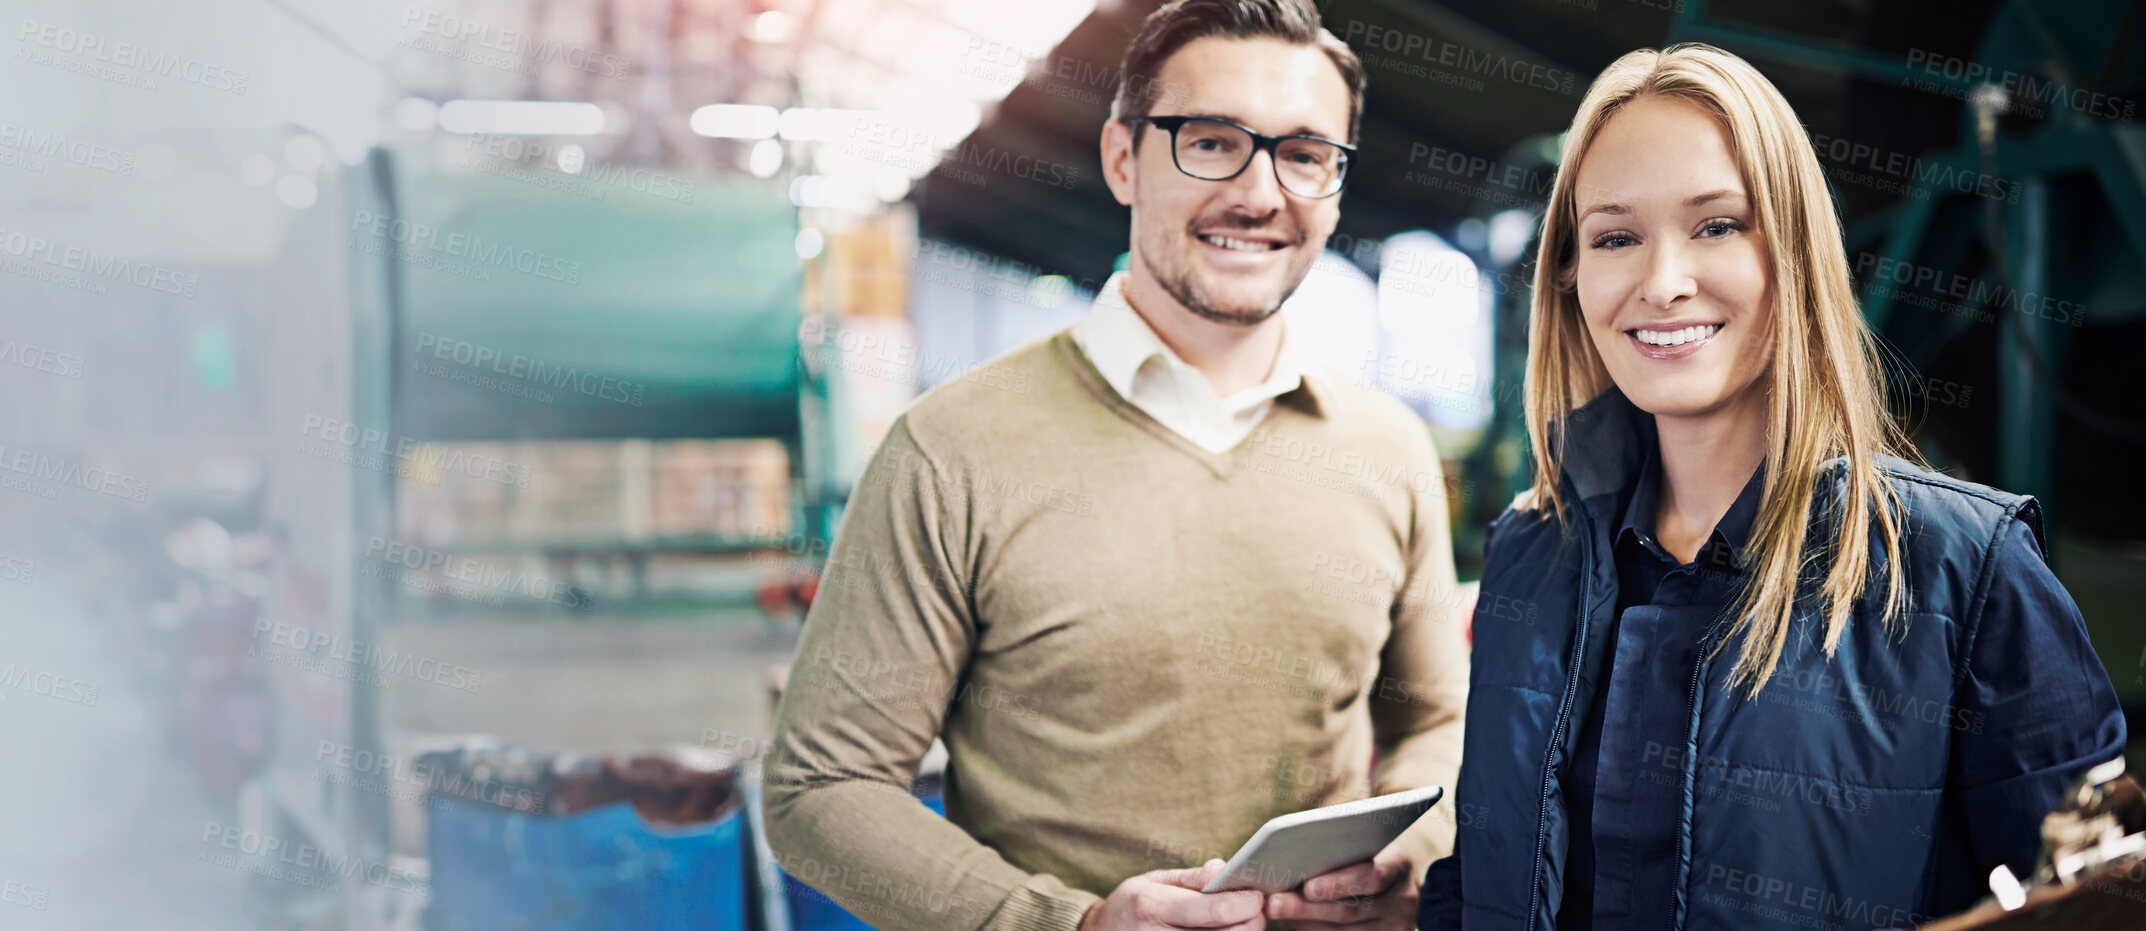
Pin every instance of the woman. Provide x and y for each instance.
(1774, 675)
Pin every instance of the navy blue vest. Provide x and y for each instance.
(1832, 799)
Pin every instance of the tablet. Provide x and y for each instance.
(1293, 848)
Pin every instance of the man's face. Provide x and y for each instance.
(1230, 251)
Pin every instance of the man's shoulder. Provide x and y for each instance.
(1015, 388)
(1367, 414)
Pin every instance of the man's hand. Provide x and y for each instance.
(1172, 899)
(1375, 896)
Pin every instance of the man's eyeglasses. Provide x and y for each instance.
(1214, 149)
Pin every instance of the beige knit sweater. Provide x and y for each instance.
(1136, 651)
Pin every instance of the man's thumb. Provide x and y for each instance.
(1191, 877)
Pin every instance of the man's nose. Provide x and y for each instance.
(1255, 188)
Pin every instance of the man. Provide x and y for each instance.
(1163, 582)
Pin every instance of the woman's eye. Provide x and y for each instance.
(1715, 229)
(1612, 241)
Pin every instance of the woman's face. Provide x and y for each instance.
(1672, 271)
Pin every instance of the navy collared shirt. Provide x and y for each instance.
(1622, 832)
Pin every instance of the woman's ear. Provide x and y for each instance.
(1121, 165)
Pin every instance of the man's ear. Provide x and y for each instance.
(1121, 165)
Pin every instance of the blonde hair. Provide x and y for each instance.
(1825, 397)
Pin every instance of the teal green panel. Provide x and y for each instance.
(594, 311)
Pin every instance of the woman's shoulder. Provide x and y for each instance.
(1528, 514)
(1957, 534)
(1953, 507)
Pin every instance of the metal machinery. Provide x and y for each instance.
(2049, 98)
(590, 284)
(2008, 262)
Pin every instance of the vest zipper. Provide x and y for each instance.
(1691, 740)
(1564, 713)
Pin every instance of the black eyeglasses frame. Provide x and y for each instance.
(1260, 142)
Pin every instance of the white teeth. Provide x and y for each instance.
(1676, 337)
(1237, 244)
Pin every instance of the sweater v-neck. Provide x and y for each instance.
(1222, 464)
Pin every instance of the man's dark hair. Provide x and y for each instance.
(1179, 22)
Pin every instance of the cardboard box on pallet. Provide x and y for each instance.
(450, 493)
(619, 492)
(729, 489)
(574, 494)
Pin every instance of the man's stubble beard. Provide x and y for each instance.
(1176, 280)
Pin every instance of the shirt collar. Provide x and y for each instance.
(1732, 531)
(1121, 344)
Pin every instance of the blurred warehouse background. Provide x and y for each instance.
(419, 417)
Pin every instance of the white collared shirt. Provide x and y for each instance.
(1143, 370)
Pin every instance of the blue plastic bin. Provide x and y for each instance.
(605, 868)
(810, 910)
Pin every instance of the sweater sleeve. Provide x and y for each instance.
(1421, 691)
(883, 648)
